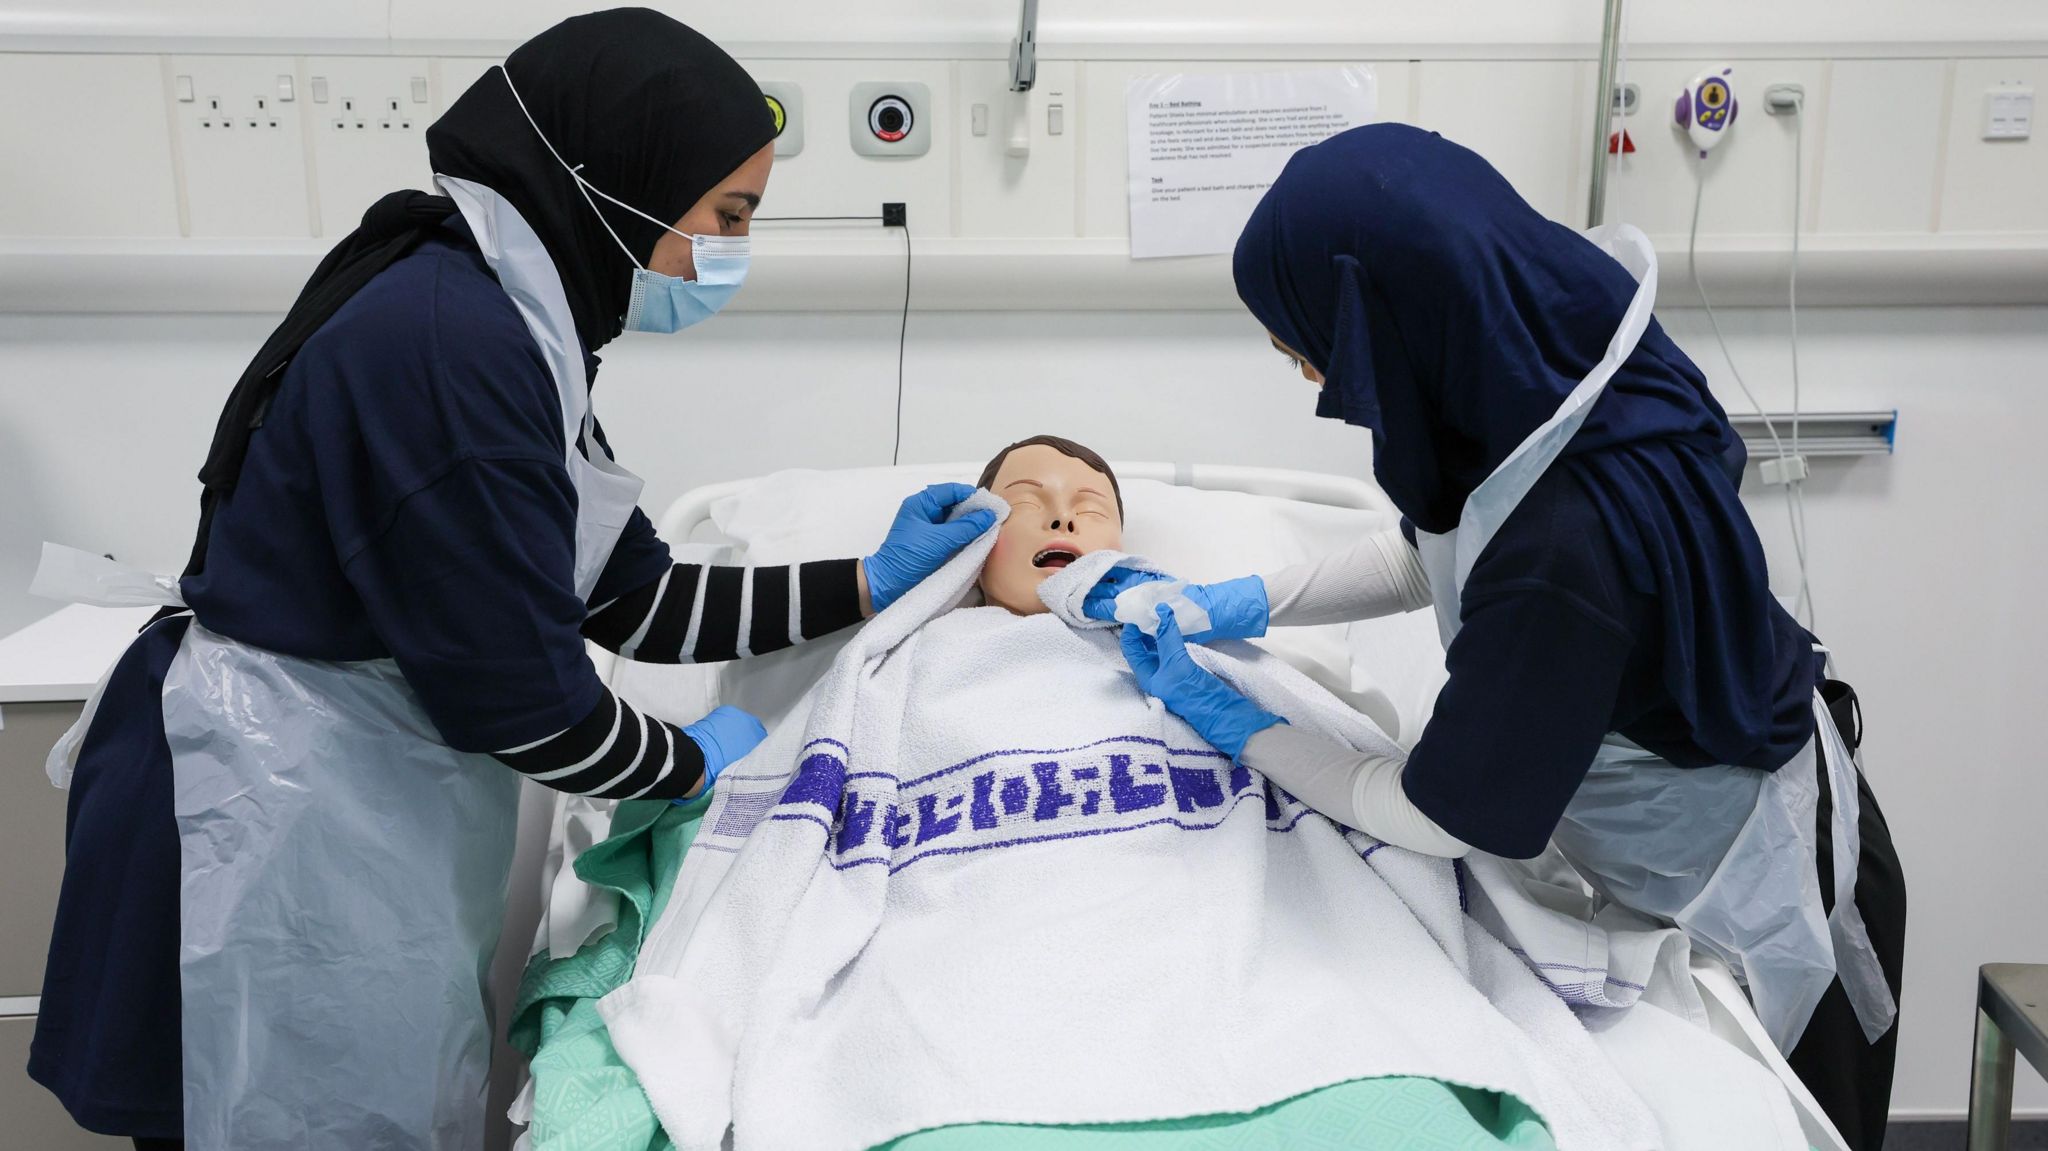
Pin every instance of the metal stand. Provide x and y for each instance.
(2012, 1016)
(1610, 40)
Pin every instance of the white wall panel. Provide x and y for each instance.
(242, 148)
(1995, 185)
(1880, 167)
(369, 138)
(103, 427)
(1003, 195)
(1872, 159)
(1530, 119)
(325, 19)
(1234, 24)
(828, 179)
(121, 183)
(1748, 174)
(454, 75)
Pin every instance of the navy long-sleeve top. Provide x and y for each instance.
(406, 497)
(1557, 648)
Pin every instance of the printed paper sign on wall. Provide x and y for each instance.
(1203, 149)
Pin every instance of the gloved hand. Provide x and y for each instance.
(1213, 708)
(1237, 609)
(1100, 602)
(726, 736)
(921, 541)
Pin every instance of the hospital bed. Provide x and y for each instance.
(1202, 521)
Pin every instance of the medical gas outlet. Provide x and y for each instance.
(890, 118)
(786, 105)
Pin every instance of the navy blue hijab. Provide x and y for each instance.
(1450, 319)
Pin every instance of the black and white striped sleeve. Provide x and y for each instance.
(697, 613)
(613, 753)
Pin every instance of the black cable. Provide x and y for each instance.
(787, 219)
(902, 332)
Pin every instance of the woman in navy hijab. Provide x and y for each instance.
(1622, 681)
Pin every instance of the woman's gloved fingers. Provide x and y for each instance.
(1219, 712)
(1173, 647)
(725, 736)
(1100, 604)
(968, 528)
(1139, 653)
(1170, 640)
(1179, 678)
(936, 500)
(920, 541)
(1101, 601)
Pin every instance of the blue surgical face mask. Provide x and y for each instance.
(660, 303)
(670, 303)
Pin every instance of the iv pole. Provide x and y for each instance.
(1610, 39)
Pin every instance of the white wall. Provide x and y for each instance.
(1062, 22)
(1924, 564)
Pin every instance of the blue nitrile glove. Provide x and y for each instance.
(726, 736)
(1238, 609)
(1100, 603)
(921, 541)
(1213, 708)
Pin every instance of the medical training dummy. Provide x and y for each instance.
(978, 884)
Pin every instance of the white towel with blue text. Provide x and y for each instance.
(980, 877)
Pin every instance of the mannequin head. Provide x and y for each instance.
(1064, 503)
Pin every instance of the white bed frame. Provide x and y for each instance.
(688, 520)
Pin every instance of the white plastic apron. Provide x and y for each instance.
(1726, 853)
(343, 869)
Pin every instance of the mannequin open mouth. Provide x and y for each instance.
(1055, 556)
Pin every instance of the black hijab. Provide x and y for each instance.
(654, 113)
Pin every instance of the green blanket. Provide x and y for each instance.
(586, 1099)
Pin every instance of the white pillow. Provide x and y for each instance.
(798, 515)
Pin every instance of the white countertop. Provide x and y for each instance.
(61, 656)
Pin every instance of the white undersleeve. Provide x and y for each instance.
(1354, 788)
(1380, 575)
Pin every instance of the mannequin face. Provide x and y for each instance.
(726, 210)
(1060, 509)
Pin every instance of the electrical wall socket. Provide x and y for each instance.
(370, 136)
(2008, 113)
(241, 148)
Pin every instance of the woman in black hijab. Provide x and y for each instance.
(290, 819)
